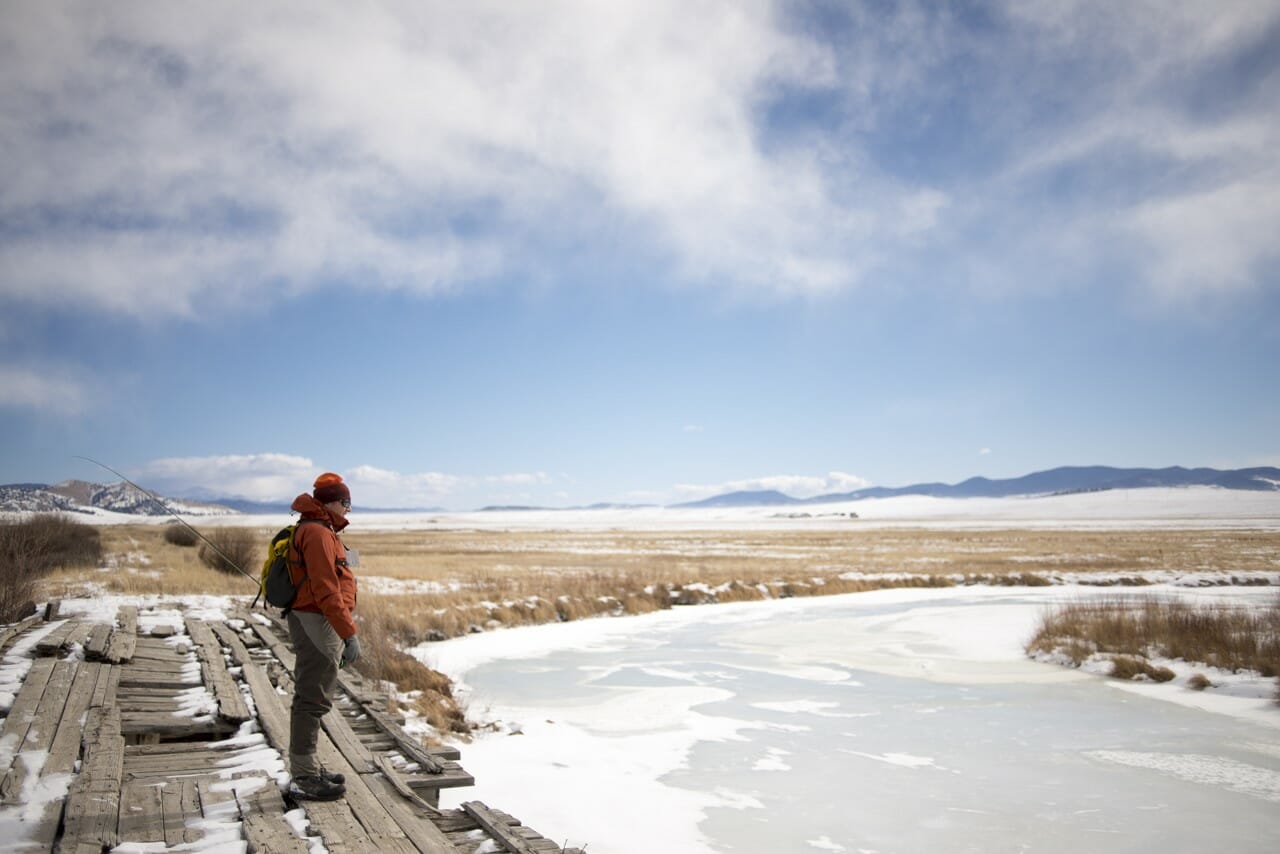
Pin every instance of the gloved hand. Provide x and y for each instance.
(350, 651)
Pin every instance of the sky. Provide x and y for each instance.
(636, 251)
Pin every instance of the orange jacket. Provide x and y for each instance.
(329, 586)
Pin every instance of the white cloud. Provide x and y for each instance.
(159, 162)
(300, 142)
(258, 477)
(797, 486)
(43, 390)
(984, 452)
(694, 428)
(279, 477)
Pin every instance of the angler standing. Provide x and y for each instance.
(321, 628)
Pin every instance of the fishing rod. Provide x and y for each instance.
(160, 503)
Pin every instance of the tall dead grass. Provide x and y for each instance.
(34, 547)
(382, 643)
(1132, 630)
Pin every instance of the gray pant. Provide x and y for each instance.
(317, 648)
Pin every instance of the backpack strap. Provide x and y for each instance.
(302, 562)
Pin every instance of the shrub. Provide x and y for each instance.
(237, 544)
(1133, 667)
(32, 548)
(1198, 682)
(180, 535)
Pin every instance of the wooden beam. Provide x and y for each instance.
(217, 679)
(124, 640)
(498, 828)
(262, 817)
(272, 713)
(9, 633)
(92, 813)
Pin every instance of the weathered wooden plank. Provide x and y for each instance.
(272, 713)
(217, 679)
(10, 633)
(145, 681)
(95, 648)
(64, 750)
(261, 814)
(63, 745)
(57, 641)
(337, 824)
(38, 733)
(453, 776)
(104, 693)
(141, 811)
(414, 816)
(92, 813)
(170, 726)
(181, 809)
(405, 743)
(192, 762)
(497, 827)
(124, 639)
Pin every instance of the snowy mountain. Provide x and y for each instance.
(1053, 481)
(78, 496)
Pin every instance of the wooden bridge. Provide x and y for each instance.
(119, 735)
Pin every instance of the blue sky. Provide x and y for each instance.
(574, 252)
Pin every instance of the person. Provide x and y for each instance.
(321, 628)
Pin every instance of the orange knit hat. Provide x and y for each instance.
(329, 487)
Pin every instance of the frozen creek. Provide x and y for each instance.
(894, 721)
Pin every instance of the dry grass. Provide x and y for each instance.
(1130, 631)
(138, 560)
(383, 657)
(432, 585)
(448, 583)
(33, 548)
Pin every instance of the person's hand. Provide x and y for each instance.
(350, 651)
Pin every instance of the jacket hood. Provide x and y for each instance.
(309, 508)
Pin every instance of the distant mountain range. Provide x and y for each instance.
(1054, 481)
(78, 496)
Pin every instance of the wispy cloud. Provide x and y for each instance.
(797, 486)
(297, 144)
(43, 390)
(258, 477)
(279, 477)
(160, 164)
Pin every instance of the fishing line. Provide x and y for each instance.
(160, 503)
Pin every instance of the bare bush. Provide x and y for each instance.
(180, 535)
(1136, 667)
(237, 550)
(32, 548)
(1198, 682)
(1232, 638)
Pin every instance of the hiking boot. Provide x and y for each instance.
(313, 787)
(332, 777)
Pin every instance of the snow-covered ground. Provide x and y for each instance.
(1130, 508)
(890, 721)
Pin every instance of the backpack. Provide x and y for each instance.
(275, 587)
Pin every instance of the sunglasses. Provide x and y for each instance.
(346, 504)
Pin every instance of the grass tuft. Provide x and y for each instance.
(1130, 631)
